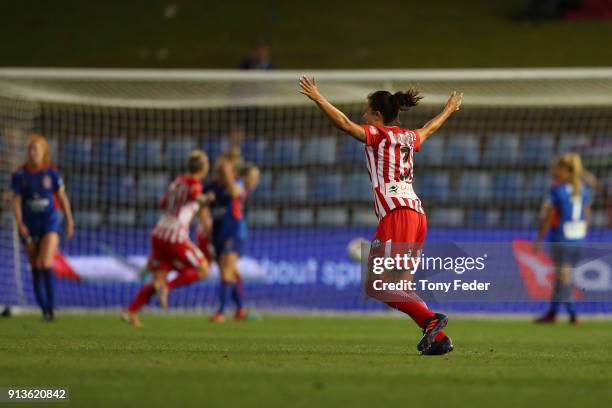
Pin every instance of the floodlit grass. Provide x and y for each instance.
(183, 361)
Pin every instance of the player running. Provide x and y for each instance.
(171, 247)
(229, 229)
(389, 156)
(564, 222)
(39, 199)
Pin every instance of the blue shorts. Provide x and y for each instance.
(225, 245)
(566, 253)
(38, 228)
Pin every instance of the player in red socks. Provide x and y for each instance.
(171, 247)
(389, 156)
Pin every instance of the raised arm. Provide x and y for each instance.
(452, 105)
(308, 87)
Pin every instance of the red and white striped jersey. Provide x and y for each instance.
(180, 205)
(389, 154)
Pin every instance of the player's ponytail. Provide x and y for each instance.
(389, 105)
(573, 164)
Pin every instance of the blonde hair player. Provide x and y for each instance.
(389, 151)
(39, 200)
(564, 222)
(171, 247)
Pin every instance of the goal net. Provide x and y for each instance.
(119, 136)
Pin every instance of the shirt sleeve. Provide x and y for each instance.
(195, 190)
(58, 182)
(373, 135)
(553, 197)
(16, 183)
(417, 140)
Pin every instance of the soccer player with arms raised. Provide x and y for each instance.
(229, 228)
(171, 247)
(389, 156)
(39, 199)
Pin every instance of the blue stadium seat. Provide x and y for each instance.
(537, 186)
(214, 147)
(320, 150)
(53, 147)
(147, 152)
(481, 217)
(358, 187)
(111, 151)
(292, 186)
(448, 217)
(286, 150)
(178, 150)
(517, 219)
(149, 218)
(264, 189)
(83, 187)
(432, 151)
(474, 185)
(572, 142)
(508, 186)
(255, 150)
(328, 187)
(351, 151)
(537, 148)
(462, 149)
(298, 217)
(118, 188)
(90, 219)
(433, 185)
(151, 188)
(77, 150)
(502, 148)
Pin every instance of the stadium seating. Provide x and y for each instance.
(151, 187)
(447, 217)
(264, 189)
(537, 186)
(351, 151)
(358, 187)
(177, 150)
(118, 187)
(328, 187)
(474, 185)
(502, 148)
(332, 216)
(147, 152)
(77, 150)
(291, 186)
(508, 186)
(111, 151)
(432, 151)
(298, 217)
(320, 150)
(84, 187)
(286, 151)
(255, 150)
(433, 185)
(215, 146)
(537, 148)
(462, 149)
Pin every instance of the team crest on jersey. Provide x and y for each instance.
(376, 244)
(46, 182)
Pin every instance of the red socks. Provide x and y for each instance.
(184, 278)
(142, 298)
(418, 311)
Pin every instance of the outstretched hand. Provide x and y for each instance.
(454, 101)
(308, 87)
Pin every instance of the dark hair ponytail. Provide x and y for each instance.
(389, 105)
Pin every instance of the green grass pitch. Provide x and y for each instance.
(184, 361)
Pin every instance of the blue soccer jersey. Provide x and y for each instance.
(39, 204)
(229, 226)
(569, 222)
